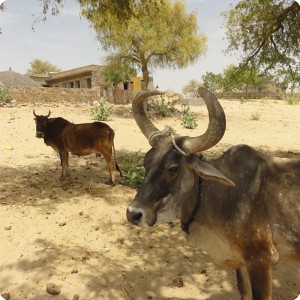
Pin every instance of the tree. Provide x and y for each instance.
(115, 74)
(191, 88)
(150, 38)
(268, 33)
(212, 81)
(42, 67)
(122, 9)
(236, 78)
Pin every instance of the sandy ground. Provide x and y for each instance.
(74, 233)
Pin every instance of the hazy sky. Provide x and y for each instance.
(68, 42)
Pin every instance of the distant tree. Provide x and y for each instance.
(115, 74)
(232, 80)
(191, 88)
(42, 67)
(150, 38)
(213, 81)
(267, 32)
(241, 78)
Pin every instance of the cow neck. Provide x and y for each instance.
(185, 226)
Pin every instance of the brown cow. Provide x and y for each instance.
(247, 222)
(78, 139)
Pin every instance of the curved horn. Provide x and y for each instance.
(49, 113)
(216, 127)
(140, 116)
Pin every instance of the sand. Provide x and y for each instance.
(74, 232)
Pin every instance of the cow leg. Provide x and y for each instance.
(244, 284)
(64, 159)
(260, 274)
(110, 166)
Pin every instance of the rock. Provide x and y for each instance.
(75, 270)
(5, 295)
(53, 289)
(75, 297)
(178, 282)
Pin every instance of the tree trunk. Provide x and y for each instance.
(146, 77)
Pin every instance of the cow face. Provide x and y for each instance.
(41, 123)
(173, 166)
(170, 179)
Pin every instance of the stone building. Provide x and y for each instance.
(87, 77)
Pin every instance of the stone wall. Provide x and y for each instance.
(53, 95)
(249, 95)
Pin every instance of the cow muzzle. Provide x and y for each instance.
(139, 217)
(134, 216)
(39, 135)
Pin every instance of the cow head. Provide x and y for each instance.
(174, 166)
(41, 123)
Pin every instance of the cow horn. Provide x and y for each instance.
(49, 113)
(216, 127)
(140, 116)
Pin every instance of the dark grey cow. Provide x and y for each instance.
(242, 208)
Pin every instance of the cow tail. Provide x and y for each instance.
(112, 138)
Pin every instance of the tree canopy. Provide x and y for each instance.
(38, 66)
(267, 33)
(150, 38)
(114, 73)
(191, 88)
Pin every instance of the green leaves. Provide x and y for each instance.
(39, 66)
(150, 38)
(267, 32)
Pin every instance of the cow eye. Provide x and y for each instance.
(173, 169)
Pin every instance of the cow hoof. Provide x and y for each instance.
(109, 182)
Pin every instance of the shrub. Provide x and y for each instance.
(292, 98)
(189, 121)
(101, 111)
(255, 116)
(163, 108)
(5, 95)
(133, 170)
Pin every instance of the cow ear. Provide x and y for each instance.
(207, 171)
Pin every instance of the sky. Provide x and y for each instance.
(68, 42)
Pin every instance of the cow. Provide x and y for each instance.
(242, 208)
(78, 139)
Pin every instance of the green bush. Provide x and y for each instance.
(133, 170)
(292, 98)
(255, 116)
(101, 112)
(189, 121)
(164, 109)
(5, 95)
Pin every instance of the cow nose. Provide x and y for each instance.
(134, 217)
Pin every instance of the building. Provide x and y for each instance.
(13, 79)
(89, 77)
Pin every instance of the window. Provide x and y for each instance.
(77, 84)
(88, 83)
(126, 86)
